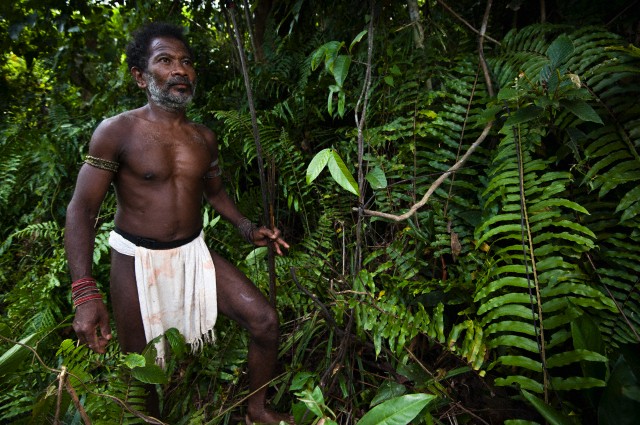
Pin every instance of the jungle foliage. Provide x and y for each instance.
(511, 296)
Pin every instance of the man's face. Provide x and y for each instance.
(170, 76)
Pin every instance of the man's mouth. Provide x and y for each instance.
(181, 86)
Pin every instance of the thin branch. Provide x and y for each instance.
(613, 298)
(483, 62)
(76, 402)
(247, 17)
(360, 118)
(63, 376)
(467, 24)
(325, 311)
(266, 205)
(435, 184)
(61, 381)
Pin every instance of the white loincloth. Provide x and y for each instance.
(176, 289)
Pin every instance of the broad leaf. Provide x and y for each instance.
(11, 359)
(151, 373)
(377, 178)
(341, 174)
(397, 411)
(560, 50)
(317, 164)
(340, 69)
(581, 109)
(549, 413)
(357, 39)
(133, 360)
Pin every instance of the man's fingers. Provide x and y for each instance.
(92, 341)
(105, 331)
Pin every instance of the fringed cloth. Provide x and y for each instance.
(176, 288)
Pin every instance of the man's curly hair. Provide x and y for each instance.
(138, 47)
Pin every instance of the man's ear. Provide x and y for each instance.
(138, 75)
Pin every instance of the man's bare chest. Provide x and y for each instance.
(158, 155)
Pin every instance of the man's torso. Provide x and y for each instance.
(159, 183)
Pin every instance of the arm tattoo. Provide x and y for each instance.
(214, 171)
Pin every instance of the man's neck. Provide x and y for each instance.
(162, 114)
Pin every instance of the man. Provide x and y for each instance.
(162, 274)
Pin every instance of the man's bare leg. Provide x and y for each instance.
(242, 302)
(126, 313)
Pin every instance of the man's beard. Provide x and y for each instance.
(168, 99)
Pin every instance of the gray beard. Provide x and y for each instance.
(165, 98)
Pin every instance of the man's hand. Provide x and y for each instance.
(90, 317)
(263, 236)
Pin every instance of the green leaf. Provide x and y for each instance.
(342, 98)
(341, 174)
(133, 360)
(549, 413)
(317, 56)
(517, 282)
(151, 373)
(521, 361)
(576, 383)
(177, 342)
(558, 202)
(11, 359)
(314, 400)
(256, 255)
(340, 69)
(511, 326)
(616, 407)
(503, 300)
(301, 379)
(377, 178)
(357, 39)
(629, 204)
(397, 411)
(509, 229)
(389, 80)
(568, 357)
(514, 341)
(581, 109)
(522, 381)
(317, 164)
(387, 391)
(523, 115)
(560, 50)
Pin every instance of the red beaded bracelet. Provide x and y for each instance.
(82, 300)
(83, 280)
(83, 290)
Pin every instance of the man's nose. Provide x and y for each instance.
(179, 69)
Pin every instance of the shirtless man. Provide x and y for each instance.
(162, 165)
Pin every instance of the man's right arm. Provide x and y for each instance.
(91, 187)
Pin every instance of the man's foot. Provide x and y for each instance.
(268, 417)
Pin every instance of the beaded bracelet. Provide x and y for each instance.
(84, 290)
(246, 229)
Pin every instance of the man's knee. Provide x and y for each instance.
(265, 324)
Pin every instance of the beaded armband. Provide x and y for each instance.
(103, 164)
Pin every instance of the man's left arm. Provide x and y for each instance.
(220, 200)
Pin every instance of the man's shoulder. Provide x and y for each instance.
(117, 126)
(205, 132)
(124, 119)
